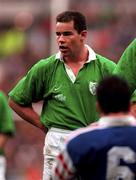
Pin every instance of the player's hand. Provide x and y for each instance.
(44, 129)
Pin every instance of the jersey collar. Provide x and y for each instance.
(91, 57)
(117, 121)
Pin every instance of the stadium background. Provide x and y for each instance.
(27, 35)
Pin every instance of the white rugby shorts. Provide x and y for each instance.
(54, 143)
(2, 167)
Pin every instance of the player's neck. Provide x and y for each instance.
(77, 62)
(117, 114)
(78, 58)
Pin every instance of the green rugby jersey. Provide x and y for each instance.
(67, 104)
(6, 121)
(126, 67)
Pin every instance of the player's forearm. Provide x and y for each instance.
(28, 114)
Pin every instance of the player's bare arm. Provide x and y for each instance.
(28, 114)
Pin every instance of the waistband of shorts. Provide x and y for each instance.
(59, 130)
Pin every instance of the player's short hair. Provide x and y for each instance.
(113, 95)
(77, 17)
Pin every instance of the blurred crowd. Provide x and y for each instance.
(20, 48)
(23, 43)
(25, 153)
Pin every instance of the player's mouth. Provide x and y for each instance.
(63, 48)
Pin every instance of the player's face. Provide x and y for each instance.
(68, 39)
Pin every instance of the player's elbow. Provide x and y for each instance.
(11, 103)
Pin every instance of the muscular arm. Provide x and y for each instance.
(28, 114)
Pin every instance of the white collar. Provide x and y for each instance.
(117, 121)
(105, 122)
(91, 57)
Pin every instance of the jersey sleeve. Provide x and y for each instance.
(126, 66)
(6, 119)
(133, 97)
(30, 88)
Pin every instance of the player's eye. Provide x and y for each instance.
(58, 34)
(67, 33)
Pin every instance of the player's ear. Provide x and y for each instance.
(83, 34)
(98, 108)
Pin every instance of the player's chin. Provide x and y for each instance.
(64, 53)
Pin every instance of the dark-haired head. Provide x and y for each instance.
(77, 17)
(113, 95)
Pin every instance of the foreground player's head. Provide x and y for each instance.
(113, 95)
